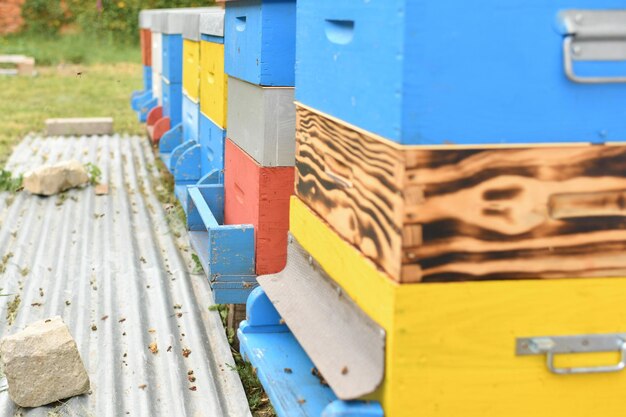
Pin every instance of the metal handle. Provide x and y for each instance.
(554, 345)
(569, 68)
(587, 369)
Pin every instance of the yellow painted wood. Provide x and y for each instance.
(191, 69)
(213, 82)
(451, 347)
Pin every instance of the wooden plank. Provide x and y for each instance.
(459, 213)
(349, 351)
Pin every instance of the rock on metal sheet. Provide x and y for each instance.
(119, 276)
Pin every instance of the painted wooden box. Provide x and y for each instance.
(212, 139)
(459, 72)
(442, 213)
(259, 196)
(213, 81)
(146, 47)
(262, 122)
(172, 60)
(484, 348)
(191, 69)
(260, 41)
(172, 102)
(191, 119)
(157, 60)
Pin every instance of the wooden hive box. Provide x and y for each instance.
(262, 122)
(478, 349)
(427, 214)
(437, 72)
(259, 195)
(260, 44)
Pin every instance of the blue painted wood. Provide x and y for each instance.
(172, 53)
(212, 139)
(353, 409)
(227, 250)
(211, 38)
(224, 294)
(171, 139)
(147, 77)
(259, 41)
(146, 106)
(177, 152)
(284, 369)
(466, 72)
(139, 97)
(262, 316)
(181, 193)
(186, 168)
(172, 101)
(191, 118)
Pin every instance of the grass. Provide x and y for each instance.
(75, 85)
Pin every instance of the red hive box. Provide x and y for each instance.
(146, 47)
(259, 196)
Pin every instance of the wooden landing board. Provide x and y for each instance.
(349, 351)
(428, 214)
(259, 196)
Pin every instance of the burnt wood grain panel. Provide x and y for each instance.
(451, 213)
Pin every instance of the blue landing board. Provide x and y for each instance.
(455, 71)
(259, 41)
(284, 368)
(226, 252)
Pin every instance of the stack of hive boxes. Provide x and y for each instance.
(238, 221)
(427, 163)
(193, 149)
(259, 154)
(142, 101)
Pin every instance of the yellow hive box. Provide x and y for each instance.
(191, 69)
(451, 347)
(213, 82)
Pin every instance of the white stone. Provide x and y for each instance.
(80, 126)
(54, 179)
(42, 364)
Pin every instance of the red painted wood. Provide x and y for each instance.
(153, 115)
(146, 47)
(259, 196)
(160, 127)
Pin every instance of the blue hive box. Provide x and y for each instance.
(259, 41)
(191, 119)
(467, 72)
(172, 102)
(212, 141)
(172, 47)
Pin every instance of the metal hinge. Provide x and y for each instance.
(553, 345)
(593, 35)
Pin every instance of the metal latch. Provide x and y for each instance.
(553, 345)
(593, 35)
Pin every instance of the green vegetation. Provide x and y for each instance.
(116, 18)
(94, 172)
(72, 49)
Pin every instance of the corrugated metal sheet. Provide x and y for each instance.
(118, 275)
